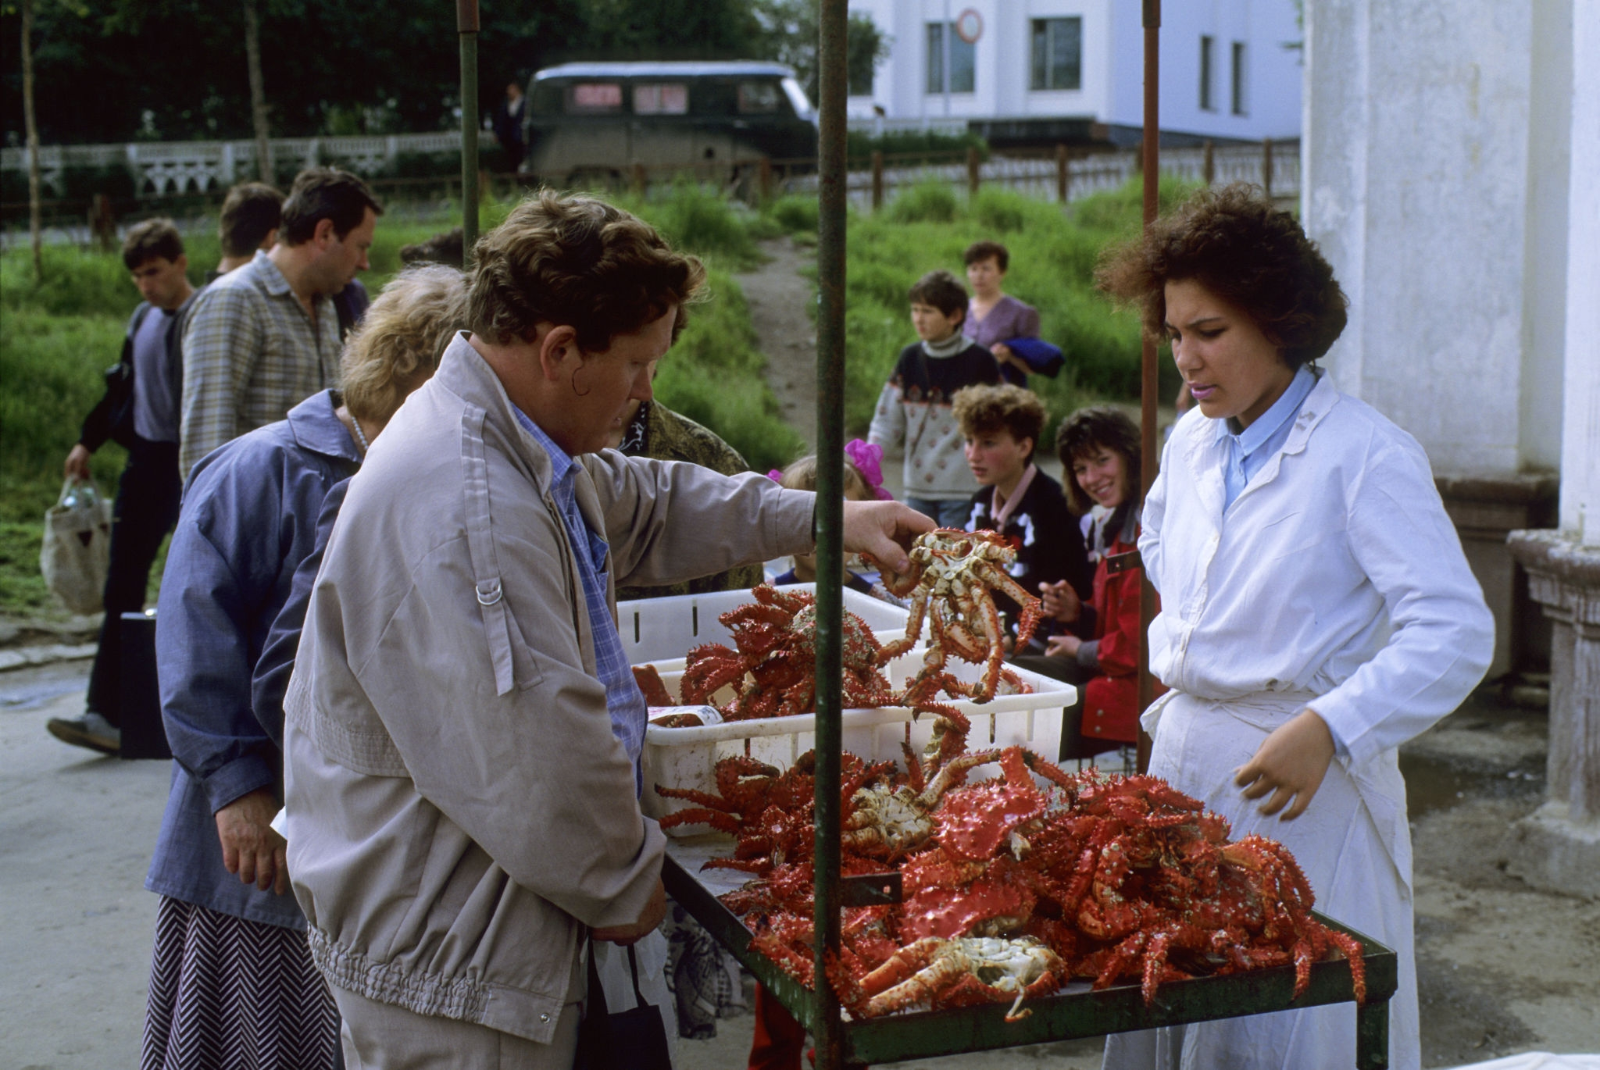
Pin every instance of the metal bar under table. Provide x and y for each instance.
(1072, 1013)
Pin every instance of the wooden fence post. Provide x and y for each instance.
(1138, 158)
(1062, 174)
(764, 178)
(639, 181)
(973, 164)
(1266, 165)
(877, 180)
(1208, 170)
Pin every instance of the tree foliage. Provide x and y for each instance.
(119, 70)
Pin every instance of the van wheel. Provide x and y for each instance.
(594, 178)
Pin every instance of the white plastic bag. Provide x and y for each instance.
(77, 547)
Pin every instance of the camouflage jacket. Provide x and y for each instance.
(664, 435)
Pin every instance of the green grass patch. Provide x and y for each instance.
(1053, 254)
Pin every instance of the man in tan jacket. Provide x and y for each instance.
(462, 732)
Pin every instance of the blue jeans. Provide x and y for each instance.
(947, 513)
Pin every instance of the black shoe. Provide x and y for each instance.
(91, 730)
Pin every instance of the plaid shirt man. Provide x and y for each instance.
(250, 354)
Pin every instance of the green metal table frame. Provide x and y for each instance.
(1068, 1015)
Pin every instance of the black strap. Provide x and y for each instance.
(633, 965)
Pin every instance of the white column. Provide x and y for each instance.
(1580, 440)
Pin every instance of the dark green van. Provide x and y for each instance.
(593, 123)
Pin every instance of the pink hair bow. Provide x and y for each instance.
(868, 459)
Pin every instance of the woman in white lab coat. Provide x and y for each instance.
(1317, 610)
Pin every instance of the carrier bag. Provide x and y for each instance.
(633, 1039)
(77, 547)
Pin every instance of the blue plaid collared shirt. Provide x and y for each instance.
(624, 702)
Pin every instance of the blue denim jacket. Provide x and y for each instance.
(249, 516)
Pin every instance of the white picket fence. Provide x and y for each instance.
(161, 168)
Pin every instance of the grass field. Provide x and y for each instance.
(57, 339)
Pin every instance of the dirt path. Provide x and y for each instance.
(779, 296)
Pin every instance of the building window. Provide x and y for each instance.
(1057, 54)
(1239, 84)
(963, 60)
(1207, 51)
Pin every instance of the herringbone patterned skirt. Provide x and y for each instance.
(231, 994)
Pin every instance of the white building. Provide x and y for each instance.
(1073, 70)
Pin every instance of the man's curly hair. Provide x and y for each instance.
(578, 262)
(1239, 247)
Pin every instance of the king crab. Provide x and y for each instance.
(959, 973)
(773, 667)
(950, 581)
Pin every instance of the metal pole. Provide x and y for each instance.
(827, 1027)
(1150, 369)
(467, 27)
(944, 40)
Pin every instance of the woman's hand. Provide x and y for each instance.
(1064, 646)
(1004, 355)
(1290, 763)
(251, 847)
(1059, 601)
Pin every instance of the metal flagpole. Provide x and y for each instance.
(1150, 457)
(467, 28)
(826, 1025)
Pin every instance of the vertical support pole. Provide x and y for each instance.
(877, 180)
(1063, 173)
(974, 165)
(1208, 170)
(1372, 1036)
(1149, 369)
(764, 179)
(467, 28)
(832, 178)
(1266, 166)
(640, 181)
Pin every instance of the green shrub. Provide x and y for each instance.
(714, 376)
(795, 214)
(860, 145)
(696, 220)
(932, 201)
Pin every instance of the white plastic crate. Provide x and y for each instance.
(687, 757)
(657, 629)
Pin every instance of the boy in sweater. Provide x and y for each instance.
(914, 411)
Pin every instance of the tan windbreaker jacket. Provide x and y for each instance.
(458, 808)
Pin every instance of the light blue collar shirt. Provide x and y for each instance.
(1250, 449)
(624, 703)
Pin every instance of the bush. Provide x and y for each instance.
(795, 214)
(927, 202)
(860, 145)
(715, 376)
(696, 220)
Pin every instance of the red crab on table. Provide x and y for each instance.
(773, 668)
(951, 580)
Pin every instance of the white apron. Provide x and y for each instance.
(1355, 847)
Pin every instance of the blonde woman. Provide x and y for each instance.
(231, 969)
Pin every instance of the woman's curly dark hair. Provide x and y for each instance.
(1238, 246)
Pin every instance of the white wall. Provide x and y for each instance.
(1273, 73)
(1425, 123)
(1112, 64)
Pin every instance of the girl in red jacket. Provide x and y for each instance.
(1099, 448)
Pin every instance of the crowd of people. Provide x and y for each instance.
(404, 817)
